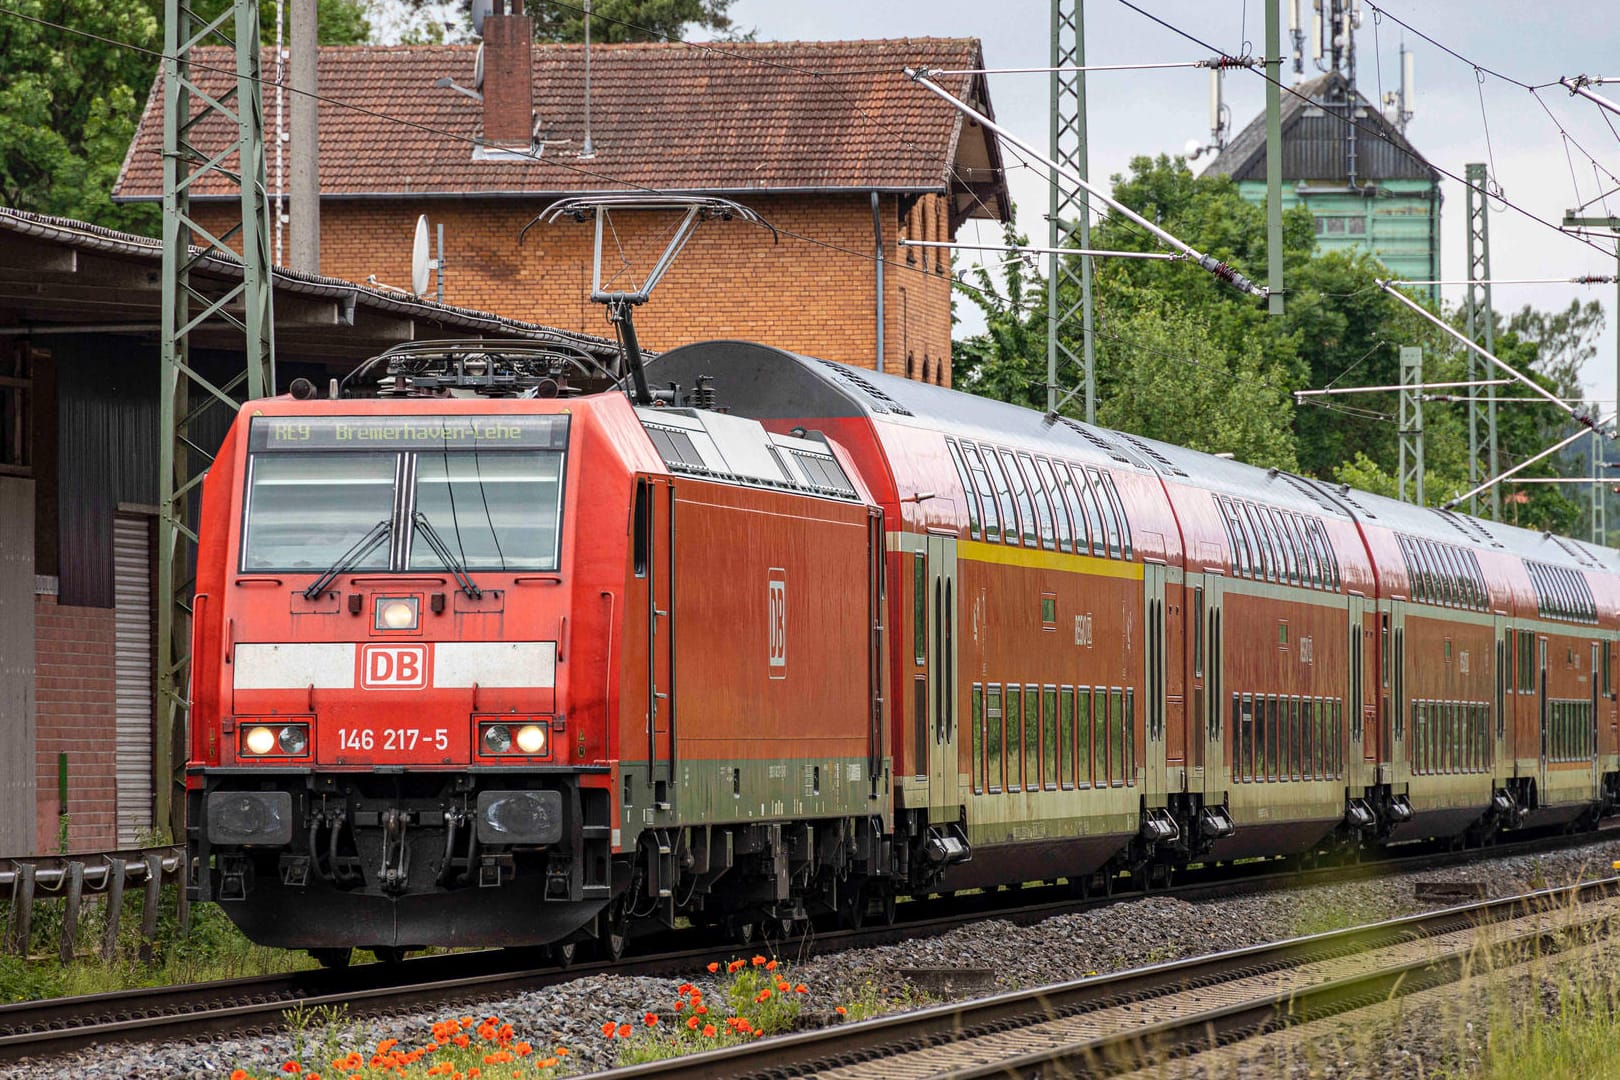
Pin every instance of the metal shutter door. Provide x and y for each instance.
(132, 570)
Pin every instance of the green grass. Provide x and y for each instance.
(214, 949)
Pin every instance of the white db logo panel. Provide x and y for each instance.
(393, 667)
(776, 620)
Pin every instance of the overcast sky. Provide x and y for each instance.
(1156, 112)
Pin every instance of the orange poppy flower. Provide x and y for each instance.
(651, 1019)
(841, 1011)
(714, 966)
(735, 966)
(462, 1041)
(708, 1031)
(240, 1074)
(702, 1010)
(387, 1045)
(291, 1067)
(546, 1063)
(801, 989)
(691, 1023)
(757, 961)
(762, 996)
(522, 1049)
(624, 1031)
(771, 966)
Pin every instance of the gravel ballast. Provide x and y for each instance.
(1126, 934)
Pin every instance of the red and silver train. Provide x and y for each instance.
(525, 670)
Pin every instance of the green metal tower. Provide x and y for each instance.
(185, 395)
(1069, 211)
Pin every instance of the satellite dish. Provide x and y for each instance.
(419, 257)
(481, 10)
(478, 68)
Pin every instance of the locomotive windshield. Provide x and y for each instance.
(490, 486)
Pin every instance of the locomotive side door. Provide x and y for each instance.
(944, 800)
(660, 628)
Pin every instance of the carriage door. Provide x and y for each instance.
(655, 507)
(1356, 742)
(943, 782)
(1154, 749)
(1502, 763)
(1592, 717)
(1212, 779)
(1541, 705)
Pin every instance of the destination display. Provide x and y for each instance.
(484, 432)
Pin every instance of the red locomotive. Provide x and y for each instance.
(529, 669)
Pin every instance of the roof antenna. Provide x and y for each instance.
(589, 149)
(622, 303)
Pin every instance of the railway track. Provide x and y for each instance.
(1113, 1024)
(186, 1012)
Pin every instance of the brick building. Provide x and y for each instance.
(827, 141)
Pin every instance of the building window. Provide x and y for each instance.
(16, 382)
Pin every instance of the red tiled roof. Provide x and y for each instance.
(737, 117)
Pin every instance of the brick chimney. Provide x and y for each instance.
(509, 76)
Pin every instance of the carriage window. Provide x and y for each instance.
(1094, 517)
(1037, 492)
(986, 492)
(1267, 561)
(1099, 737)
(1110, 518)
(1004, 496)
(968, 494)
(1119, 508)
(1240, 738)
(1060, 512)
(992, 738)
(1198, 631)
(1128, 736)
(1032, 737)
(1290, 558)
(978, 738)
(1049, 737)
(919, 606)
(1083, 735)
(1013, 741)
(1066, 733)
(1077, 510)
(1020, 490)
(1116, 735)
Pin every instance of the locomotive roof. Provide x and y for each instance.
(765, 382)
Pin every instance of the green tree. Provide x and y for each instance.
(69, 103)
(634, 20)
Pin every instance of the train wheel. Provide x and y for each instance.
(613, 941)
(888, 908)
(563, 955)
(739, 931)
(853, 909)
(332, 958)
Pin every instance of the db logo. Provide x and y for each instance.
(776, 623)
(393, 667)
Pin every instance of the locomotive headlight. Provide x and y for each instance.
(396, 613)
(531, 739)
(497, 739)
(260, 740)
(293, 739)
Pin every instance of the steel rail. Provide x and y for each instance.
(885, 1041)
(54, 1025)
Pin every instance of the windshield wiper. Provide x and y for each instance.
(362, 547)
(446, 556)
